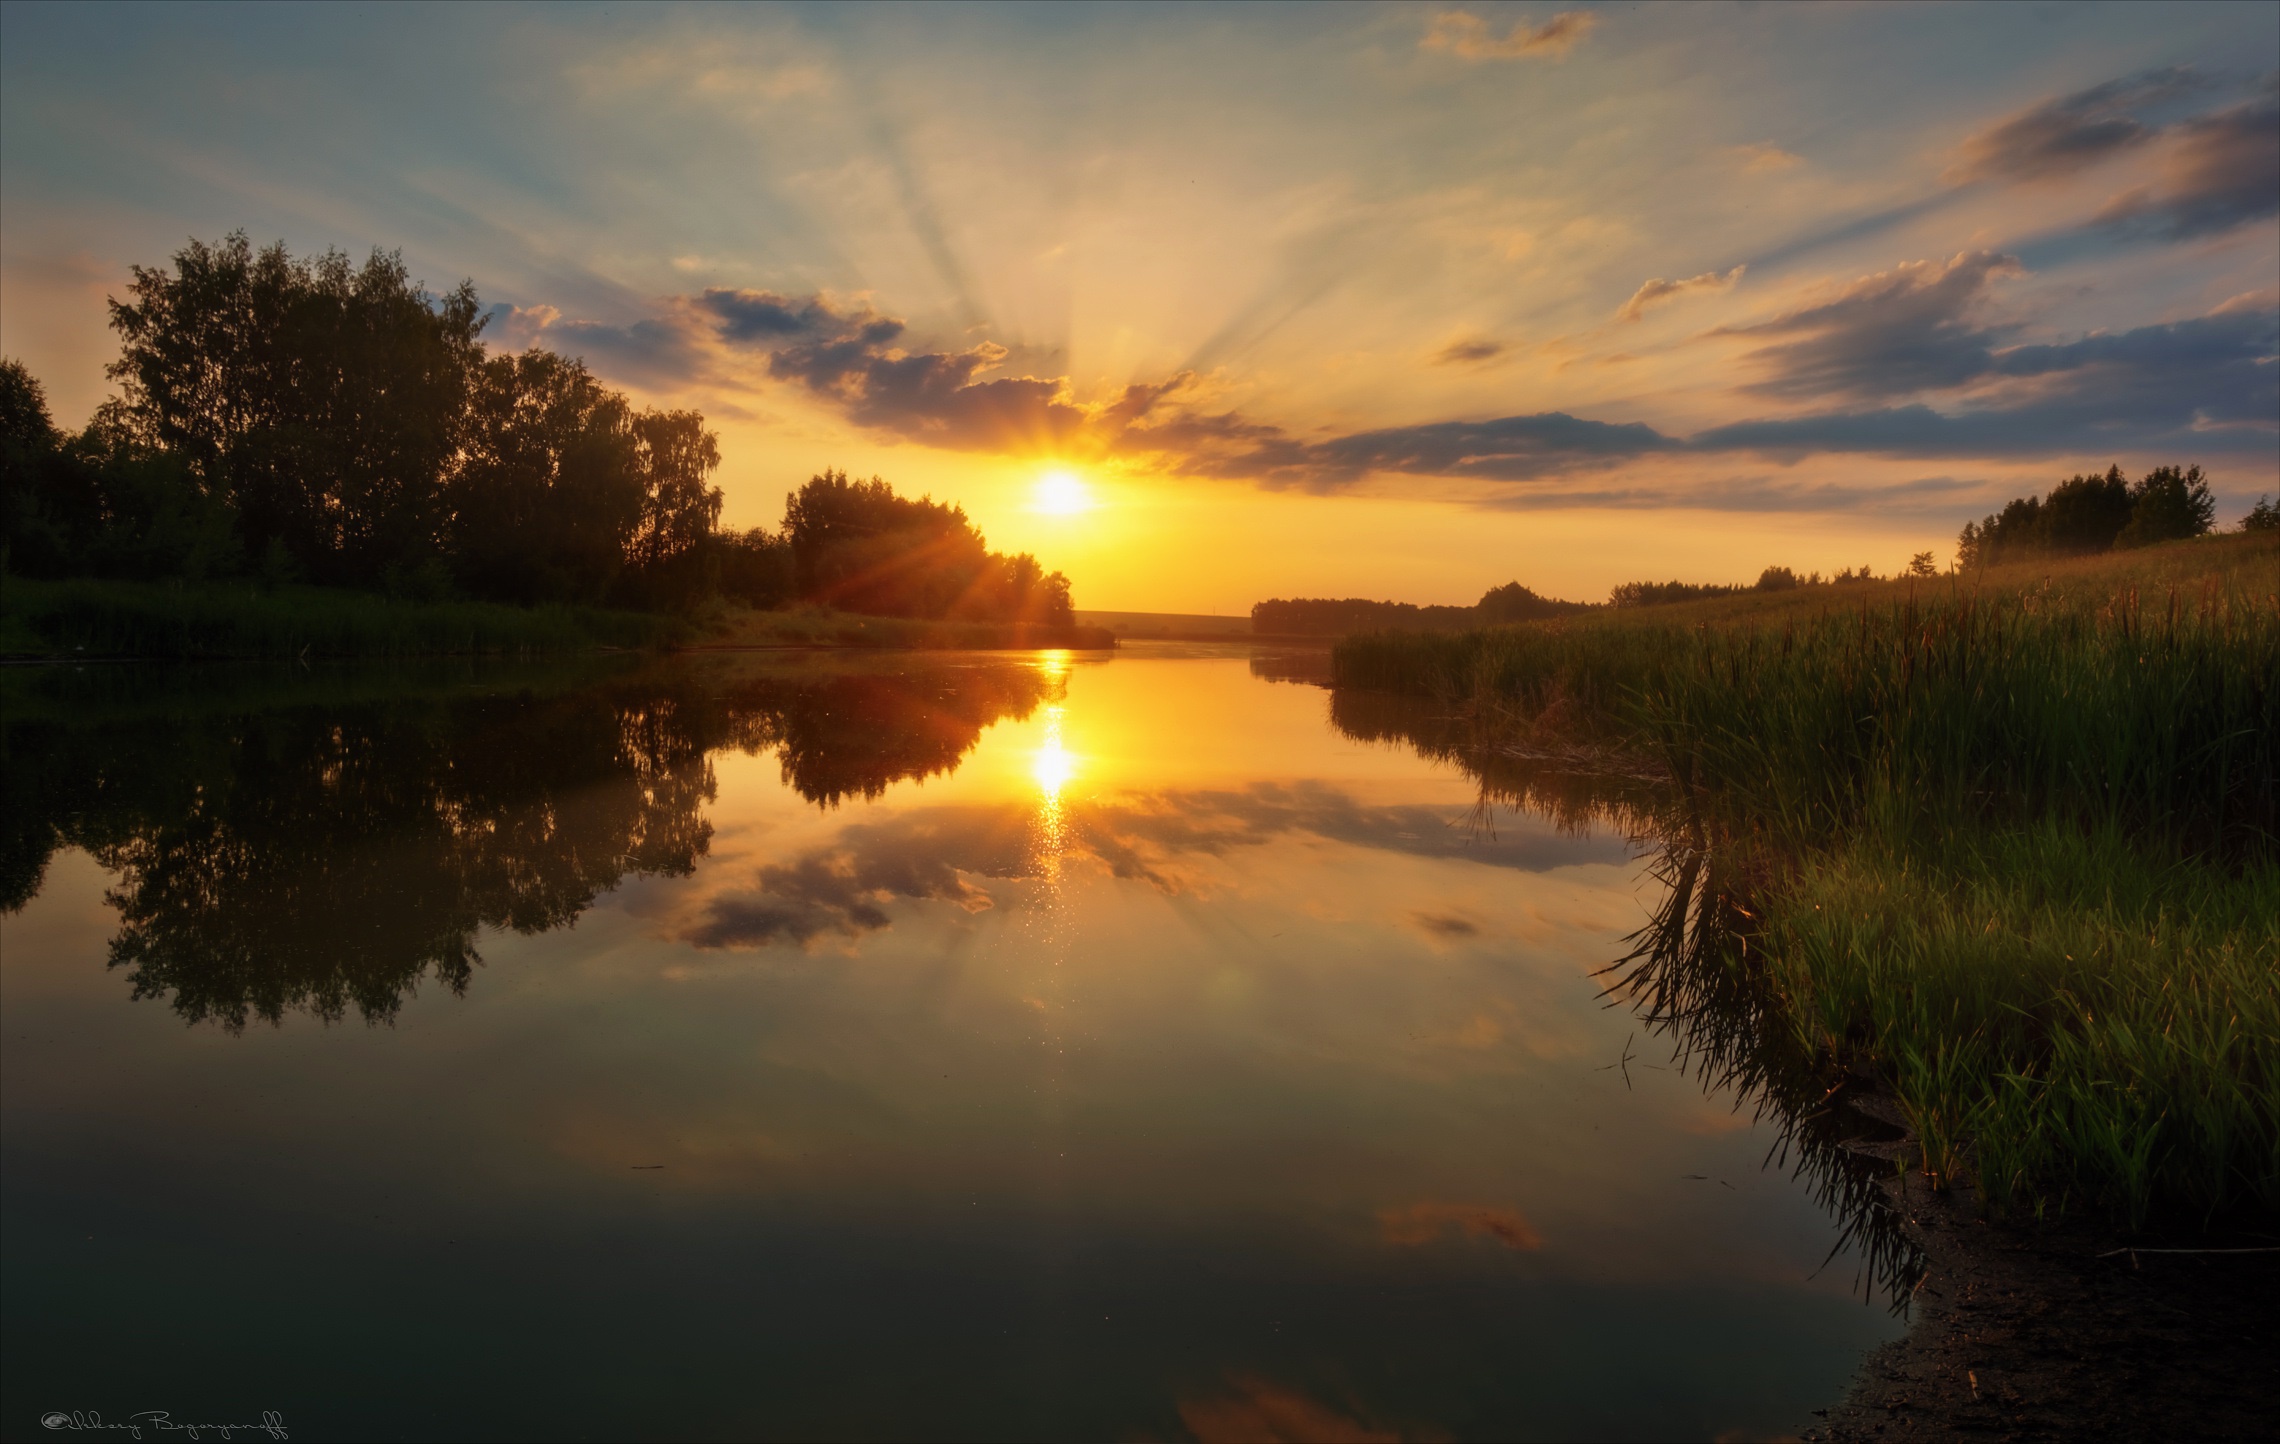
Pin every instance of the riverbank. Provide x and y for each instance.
(87, 618)
(2006, 843)
(732, 627)
(240, 621)
(2067, 1333)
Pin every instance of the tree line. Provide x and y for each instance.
(2081, 515)
(303, 419)
(1321, 616)
(2098, 513)
(242, 828)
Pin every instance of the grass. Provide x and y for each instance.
(2011, 841)
(90, 618)
(730, 626)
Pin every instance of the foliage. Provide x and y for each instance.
(859, 547)
(2085, 515)
(1322, 617)
(1659, 594)
(107, 618)
(2017, 848)
(303, 419)
(287, 840)
(322, 402)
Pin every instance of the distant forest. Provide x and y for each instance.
(2082, 514)
(288, 419)
(2088, 514)
(1511, 602)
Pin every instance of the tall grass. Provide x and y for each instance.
(166, 620)
(2017, 848)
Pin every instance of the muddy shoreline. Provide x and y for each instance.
(2064, 1333)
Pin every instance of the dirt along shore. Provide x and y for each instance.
(2070, 1333)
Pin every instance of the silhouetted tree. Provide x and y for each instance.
(550, 493)
(2089, 514)
(321, 401)
(859, 546)
(2168, 504)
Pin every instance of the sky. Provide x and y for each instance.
(1206, 304)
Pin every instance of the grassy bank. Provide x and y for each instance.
(163, 620)
(2012, 841)
(732, 626)
(88, 618)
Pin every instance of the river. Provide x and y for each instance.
(855, 1046)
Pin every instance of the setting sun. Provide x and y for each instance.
(1063, 493)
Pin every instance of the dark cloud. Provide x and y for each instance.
(748, 317)
(1464, 353)
(845, 888)
(1914, 328)
(659, 350)
(853, 356)
(2070, 132)
(1507, 448)
(2221, 171)
(2208, 384)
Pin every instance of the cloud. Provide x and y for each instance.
(1422, 1223)
(1462, 353)
(847, 886)
(1915, 327)
(662, 350)
(2068, 133)
(1461, 33)
(1253, 1409)
(2207, 384)
(853, 356)
(1658, 290)
(1764, 156)
(2220, 171)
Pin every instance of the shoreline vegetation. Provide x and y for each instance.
(310, 457)
(89, 619)
(2006, 842)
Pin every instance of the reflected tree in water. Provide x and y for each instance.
(326, 856)
(1693, 976)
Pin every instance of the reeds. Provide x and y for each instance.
(2017, 849)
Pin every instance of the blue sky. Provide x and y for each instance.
(1401, 300)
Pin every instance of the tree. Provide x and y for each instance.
(1923, 564)
(2167, 505)
(322, 402)
(859, 546)
(2083, 514)
(102, 503)
(2263, 516)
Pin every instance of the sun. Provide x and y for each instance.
(1062, 493)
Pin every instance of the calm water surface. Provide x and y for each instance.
(851, 1048)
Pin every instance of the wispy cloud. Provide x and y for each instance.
(2068, 133)
(1915, 327)
(1656, 291)
(1459, 32)
(2221, 171)
(1765, 156)
(1468, 353)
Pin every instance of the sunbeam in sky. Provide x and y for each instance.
(1336, 300)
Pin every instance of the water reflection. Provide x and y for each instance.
(942, 1047)
(299, 851)
(1690, 977)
